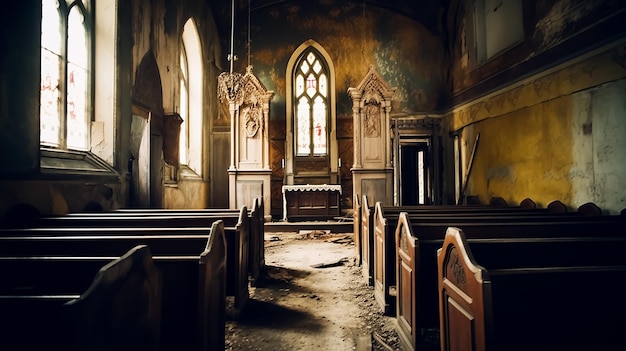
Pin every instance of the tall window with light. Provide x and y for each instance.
(184, 105)
(191, 99)
(311, 104)
(65, 99)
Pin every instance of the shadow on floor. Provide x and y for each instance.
(271, 314)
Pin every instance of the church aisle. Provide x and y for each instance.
(313, 298)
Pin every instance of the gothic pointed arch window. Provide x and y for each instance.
(311, 95)
(311, 153)
(66, 74)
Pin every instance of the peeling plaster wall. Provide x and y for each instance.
(599, 168)
(552, 137)
(405, 53)
(157, 28)
(549, 110)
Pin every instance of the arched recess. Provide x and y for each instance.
(315, 169)
(146, 140)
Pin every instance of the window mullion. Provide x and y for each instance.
(63, 83)
(311, 128)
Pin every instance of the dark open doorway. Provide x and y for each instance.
(414, 184)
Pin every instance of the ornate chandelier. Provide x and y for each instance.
(230, 84)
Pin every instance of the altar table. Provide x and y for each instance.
(306, 202)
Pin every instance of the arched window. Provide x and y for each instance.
(65, 96)
(190, 105)
(310, 96)
(311, 152)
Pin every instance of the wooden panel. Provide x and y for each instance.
(384, 260)
(407, 299)
(316, 204)
(379, 268)
(460, 299)
(367, 242)
(462, 322)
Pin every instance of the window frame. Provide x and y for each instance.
(65, 8)
(293, 167)
(192, 167)
(311, 99)
(485, 39)
(59, 161)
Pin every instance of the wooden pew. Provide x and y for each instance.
(192, 262)
(366, 216)
(56, 303)
(386, 220)
(367, 241)
(256, 260)
(256, 218)
(501, 294)
(416, 280)
(367, 219)
(237, 229)
(356, 221)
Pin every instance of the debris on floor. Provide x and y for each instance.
(278, 274)
(381, 341)
(314, 234)
(346, 239)
(330, 263)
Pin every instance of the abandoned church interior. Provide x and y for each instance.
(287, 111)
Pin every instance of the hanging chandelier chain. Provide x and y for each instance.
(249, 40)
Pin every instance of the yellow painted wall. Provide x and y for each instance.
(188, 194)
(534, 141)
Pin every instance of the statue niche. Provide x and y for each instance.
(371, 119)
(252, 119)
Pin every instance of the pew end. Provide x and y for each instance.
(121, 310)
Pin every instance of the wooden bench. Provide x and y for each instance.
(366, 220)
(502, 294)
(386, 220)
(356, 221)
(256, 261)
(416, 281)
(367, 241)
(237, 229)
(192, 262)
(97, 303)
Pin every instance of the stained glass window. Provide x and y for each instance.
(311, 94)
(65, 79)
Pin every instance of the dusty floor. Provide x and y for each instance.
(313, 298)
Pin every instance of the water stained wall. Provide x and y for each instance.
(355, 35)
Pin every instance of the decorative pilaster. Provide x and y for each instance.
(372, 172)
(249, 105)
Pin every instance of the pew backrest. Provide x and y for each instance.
(367, 241)
(415, 258)
(121, 310)
(530, 293)
(193, 268)
(356, 221)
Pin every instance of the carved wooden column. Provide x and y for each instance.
(372, 172)
(250, 172)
